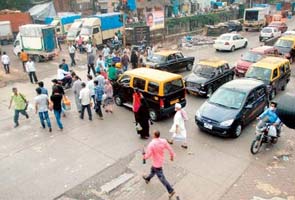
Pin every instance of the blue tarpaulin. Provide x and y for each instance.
(110, 20)
(132, 4)
(64, 19)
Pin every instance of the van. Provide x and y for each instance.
(161, 90)
(275, 72)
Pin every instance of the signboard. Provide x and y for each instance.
(155, 19)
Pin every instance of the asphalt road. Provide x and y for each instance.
(77, 162)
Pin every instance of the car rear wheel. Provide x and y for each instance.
(232, 48)
(153, 115)
(37, 58)
(237, 131)
(245, 45)
(189, 67)
(118, 101)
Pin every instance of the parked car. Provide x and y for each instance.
(275, 72)
(269, 32)
(234, 25)
(289, 33)
(234, 105)
(207, 76)
(279, 25)
(161, 90)
(253, 56)
(230, 42)
(286, 47)
(169, 61)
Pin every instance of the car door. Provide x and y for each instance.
(261, 100)
(241, 40)
(249, 108)
(171, 62)
(282, 77)
(122, 88)
(181, 62)
(275, 79)
(235, 41)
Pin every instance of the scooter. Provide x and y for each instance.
(264, 135)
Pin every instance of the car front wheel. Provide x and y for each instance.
(118, 101)
(189, 67)
(153, 115)
(237, 131)
(232, 49)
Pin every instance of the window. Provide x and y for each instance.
(95, 30)
(251, 98)
(125, 80)
(153, 88)
(235, 37)
(171, 57)
(173, 86)
(275, 73)
(179, 55)
(260, 92)
(139, 83)
(282, 69)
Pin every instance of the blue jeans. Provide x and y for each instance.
(160, 175)
(44, 117)
(57, 117)
(16, 115)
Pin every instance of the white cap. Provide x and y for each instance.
(178, 106)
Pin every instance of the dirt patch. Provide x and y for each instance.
(15, 75)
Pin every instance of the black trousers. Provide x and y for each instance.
(73, 62)
(91, 67)
(33, 77)
(88, 111)
(98, 108)
(6, 68)
(24, 65)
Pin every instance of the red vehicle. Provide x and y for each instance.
(279, 25)
(253, 56)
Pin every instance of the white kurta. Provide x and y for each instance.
(178, 120)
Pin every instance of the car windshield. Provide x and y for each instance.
(251, 57)
(284, 43)
(266, 30)
(157, 58)
(85, 31)
(228, 98)
(224, 37)
(204, 70)
(173, 86)
(259, 73)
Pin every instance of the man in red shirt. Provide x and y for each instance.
(155, 151)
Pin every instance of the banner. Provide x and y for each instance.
(155, 19)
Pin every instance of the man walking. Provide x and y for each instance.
(155, 151)
(56, 99)
(99, 90)
(24, 58)
(41, 106)
(20, 103)
(125, 61)
(5, 61)
(30, 66)
(77, 86)
(90, 63)
(85, 99)
(72, 54)
(43, 89)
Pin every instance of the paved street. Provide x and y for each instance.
(101, 159)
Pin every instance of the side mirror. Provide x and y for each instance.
(249, 106)
(213, 74)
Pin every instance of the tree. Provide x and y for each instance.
(22, 5)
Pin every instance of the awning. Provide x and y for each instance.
(41, 11)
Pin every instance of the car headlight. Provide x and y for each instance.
(198, 114)
(227, 122)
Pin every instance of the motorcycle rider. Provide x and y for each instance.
(270, 116)
(64, 76)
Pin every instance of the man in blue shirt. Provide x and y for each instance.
(98, 91)
(64, 65)
(270, 116)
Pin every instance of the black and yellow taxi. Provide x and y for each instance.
(161, 90)
(286, 47)
(207, 76)
(275, 72)
(169, 60)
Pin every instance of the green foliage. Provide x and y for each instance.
(22, 5)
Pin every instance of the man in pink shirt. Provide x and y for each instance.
(155, 151)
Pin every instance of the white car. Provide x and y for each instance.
(230, 42)
(289, 33)
(269, 32)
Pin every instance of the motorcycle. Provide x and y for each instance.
(263, 135)
(67, 82)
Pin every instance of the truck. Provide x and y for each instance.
(16, 18)
(6, 35)
(62, 23)
(74, 30)
(37, 40)
(101, 28)
(255, 18)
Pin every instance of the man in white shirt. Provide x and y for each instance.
(100, 64)
(64, 76)
(5, 61)
(72, 50)
(85, 99)
(105, 51)
(41, 106)
(90, 86)
(88, 48)
(30, 67)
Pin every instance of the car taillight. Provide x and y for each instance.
(161, 103)
(227, 43)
